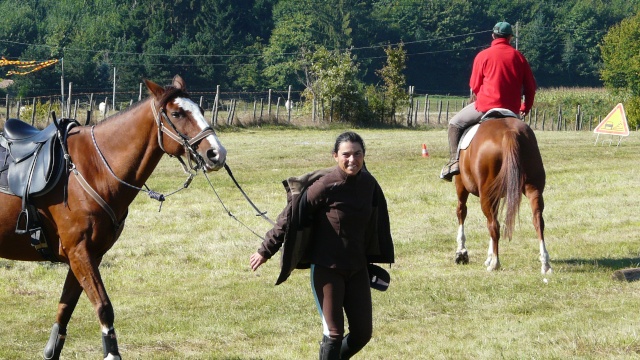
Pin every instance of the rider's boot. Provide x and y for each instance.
(330, 348)
(452, 168)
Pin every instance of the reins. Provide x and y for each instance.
(191, 170)
(260, 213)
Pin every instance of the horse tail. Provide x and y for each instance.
(509, 181)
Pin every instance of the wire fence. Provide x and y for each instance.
(237, 108)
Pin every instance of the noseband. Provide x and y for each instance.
(189, 144)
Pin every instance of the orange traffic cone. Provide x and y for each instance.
(425, 153)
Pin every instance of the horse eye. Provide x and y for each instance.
(175, 114)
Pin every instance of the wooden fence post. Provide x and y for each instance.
(269, 106)
(69, 100)
(33, 112)
(289, 106)
(49, 111)
(578, 119)
(216, 101)
(447, 116)
(439, 111)
(426, 109)
(559, 126)
(261, 109)
(255, 106)
(410, 109)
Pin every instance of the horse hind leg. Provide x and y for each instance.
(537, 207)
(462, 256)
(493, 261)
(70, 294)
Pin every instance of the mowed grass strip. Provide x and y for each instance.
(182, 289)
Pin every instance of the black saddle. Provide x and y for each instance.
(32, 162)
(33, 159)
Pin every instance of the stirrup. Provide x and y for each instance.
(450, 170)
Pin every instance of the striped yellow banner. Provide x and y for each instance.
(29, 66)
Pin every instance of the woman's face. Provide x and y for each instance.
(350, 157)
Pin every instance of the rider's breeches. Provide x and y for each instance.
(466, 117)
(335, 290)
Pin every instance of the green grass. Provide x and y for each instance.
(181, 285)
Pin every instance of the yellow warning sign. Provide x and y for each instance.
(614, 124)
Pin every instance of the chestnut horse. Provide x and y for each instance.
(502, 161)
(113, 160)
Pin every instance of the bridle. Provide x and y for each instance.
(189, 144)
(191, 170)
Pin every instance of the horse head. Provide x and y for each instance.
(188, 133)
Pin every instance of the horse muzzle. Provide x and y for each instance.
(214, 158)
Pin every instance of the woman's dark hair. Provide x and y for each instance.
(348, 136)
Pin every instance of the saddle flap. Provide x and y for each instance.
(39, 173)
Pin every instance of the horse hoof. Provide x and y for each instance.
(546, 270)
(462, 258)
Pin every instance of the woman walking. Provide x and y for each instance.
(335, 222)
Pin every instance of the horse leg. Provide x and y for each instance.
(462, 256)
(490, 212)
(537, 207)
(85, 269)
(70, 294)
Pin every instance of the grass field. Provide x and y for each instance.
(181, 285)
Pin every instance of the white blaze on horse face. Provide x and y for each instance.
(190, 106)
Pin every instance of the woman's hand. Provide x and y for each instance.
(255, 260)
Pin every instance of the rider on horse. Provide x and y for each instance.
(500, 76)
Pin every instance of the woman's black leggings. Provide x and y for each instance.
(334, 290)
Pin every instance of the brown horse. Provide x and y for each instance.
(113, 160)
(502, 161)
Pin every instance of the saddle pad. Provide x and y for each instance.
(467, 137)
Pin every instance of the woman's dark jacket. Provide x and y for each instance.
(294, 230)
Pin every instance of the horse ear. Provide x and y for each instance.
(178, 83)
(154, 88)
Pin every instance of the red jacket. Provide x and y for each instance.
(500, 76)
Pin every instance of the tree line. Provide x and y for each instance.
(330, 49)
